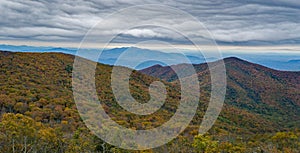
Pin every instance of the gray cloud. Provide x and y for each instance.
(230, 21)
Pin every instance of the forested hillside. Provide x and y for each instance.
(271, 94)
(38, 113)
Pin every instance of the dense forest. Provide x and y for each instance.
(38, 112)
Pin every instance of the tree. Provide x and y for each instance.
(18, 131)
(205, 144)
(21, 133)
(21, 107)
(286, 140)
(7, 102)
(228, 147)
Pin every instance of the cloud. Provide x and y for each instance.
(230, 21)
(148, 33)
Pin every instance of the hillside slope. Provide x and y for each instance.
(43, 80)
(39, 86)
(272, 94)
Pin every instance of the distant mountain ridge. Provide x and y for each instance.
(287, 62)
(112, 56)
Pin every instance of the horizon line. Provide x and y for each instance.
(166, 48)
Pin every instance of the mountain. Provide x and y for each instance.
(135, 57)
(25, 48)
(294, 61)
(36, 97)
(132, 57)
(271, 94)
(277, 61)
(290, 65)
(139, 58)
(294, 64)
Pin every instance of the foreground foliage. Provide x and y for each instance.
(19, 133)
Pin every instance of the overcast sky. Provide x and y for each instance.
(231, 22)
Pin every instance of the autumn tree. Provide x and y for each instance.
(205, 144)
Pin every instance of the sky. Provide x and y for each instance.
(234, 24)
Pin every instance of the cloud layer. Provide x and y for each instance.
(230, 21)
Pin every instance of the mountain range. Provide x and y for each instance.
(36, 96)
(112, 56)
(262, 99)
(133, 55)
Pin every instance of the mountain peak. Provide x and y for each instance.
(233, 58)
(157, 66)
